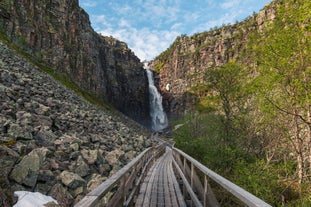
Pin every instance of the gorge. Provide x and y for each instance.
(245, 107)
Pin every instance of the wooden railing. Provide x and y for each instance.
(201, 194)
(121, 188)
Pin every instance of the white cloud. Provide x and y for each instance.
(89, 4)
(229, 4)
(150, 26)
(225, 19)
(146, 43)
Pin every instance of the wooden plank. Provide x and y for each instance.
(162, 184)
(173, 192)
(178, 194)
(145, 185)
(138, 182)
(167, 191)
(244, 196)
(147, 194)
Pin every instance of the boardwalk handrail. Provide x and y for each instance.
(126, 179)
(244, 196)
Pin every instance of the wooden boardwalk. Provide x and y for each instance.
(150, 179)
(160, 186)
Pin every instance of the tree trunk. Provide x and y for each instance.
(299, 150)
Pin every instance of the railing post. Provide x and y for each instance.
(191, 179)
(123, 187)
(184, 170)
(205, 191)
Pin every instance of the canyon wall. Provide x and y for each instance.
(58, 34)
(182, 66)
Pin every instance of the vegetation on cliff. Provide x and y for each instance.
(254, 123)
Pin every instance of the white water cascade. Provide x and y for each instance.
(158, 116)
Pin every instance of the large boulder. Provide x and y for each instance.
(72, 180)
(27, 170)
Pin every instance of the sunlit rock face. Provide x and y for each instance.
(181, 68)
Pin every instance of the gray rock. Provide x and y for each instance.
(91, 156)
(43, 122)
(72, 180)
(113, 156)
(24, 118)
(130, 155)
(74, 147)
(95, 181)
(42, 109)
(26, 172)
(20, 133)
(61, 194)
(8, 157)
(81, 168)
(45, 138)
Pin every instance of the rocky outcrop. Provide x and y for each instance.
(53, 141)
(58, 34)
(181, 67)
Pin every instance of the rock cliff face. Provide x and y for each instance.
(58, 33)
(54, 142)
(182, 66)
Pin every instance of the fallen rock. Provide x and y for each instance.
(91, 156)
(82, 168)
(113, 156)
(20, 133)
(45, 138)
(72, 180)
(61, 194)
(27, 170)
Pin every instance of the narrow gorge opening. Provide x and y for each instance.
(158, 116)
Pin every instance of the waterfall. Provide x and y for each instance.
(158, 116)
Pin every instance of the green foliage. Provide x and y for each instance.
(283, 54)
(245, 127)
(262, 180)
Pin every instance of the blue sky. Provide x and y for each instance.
(150, 26)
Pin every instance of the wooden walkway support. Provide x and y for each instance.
(167, 177)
